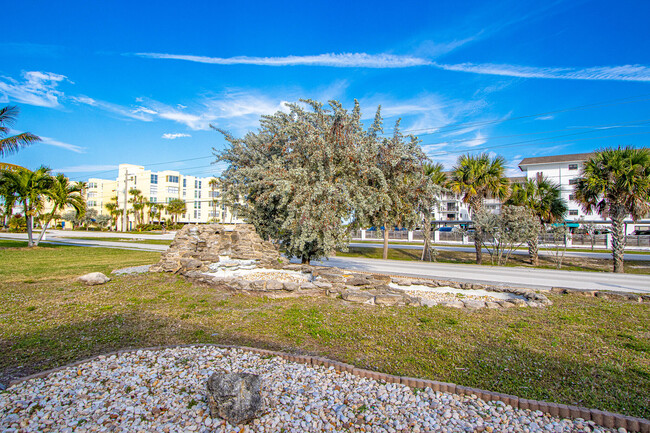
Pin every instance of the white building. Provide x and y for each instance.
(564, 170)
(202, 195)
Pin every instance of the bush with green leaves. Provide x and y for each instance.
(506, 231)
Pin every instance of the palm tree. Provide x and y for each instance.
(113, 209)
(137, 200)
(213, 185)
(29, 188)
(615, 182)
(435, 172)
(478, 177)
(11, 144)
(544, 199)
(176, 207)
(62, 193)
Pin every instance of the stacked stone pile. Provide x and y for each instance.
(196, 247)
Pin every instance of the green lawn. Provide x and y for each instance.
(586, 351)
(130, 240)
(50, 261)
(453, 256)
(442, 244)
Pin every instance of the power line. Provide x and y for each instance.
(536, 140)
(147, 165)
(593, 129)
(457, 126)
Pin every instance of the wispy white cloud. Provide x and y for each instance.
(61, 144)
(384, 60)
(549, 117)
(599, 73)
(136, 113)
(344, 60)
(37, 88)
(476, 141)
(170, 136)
(85, 168)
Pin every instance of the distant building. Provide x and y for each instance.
(202, 195)
(565, 170)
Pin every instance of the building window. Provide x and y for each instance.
(92, 203)
(573, 166)
(573, 181)
(154, 178)
(92, 185)
(197, 184)
(153, 199)
(92, 194)
(172, 190)
(571, 197)
(214, 194)
(184, 183)
(197, 194)
(197, 214)
(153, 190)
(184, 193)
(172, 179)
(573, 212)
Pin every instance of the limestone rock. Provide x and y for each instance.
(235, 397)
(358, 297)
(388, 299)
(198, 246)
(474, 303)
(93, 279)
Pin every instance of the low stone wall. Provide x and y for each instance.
(196, 247)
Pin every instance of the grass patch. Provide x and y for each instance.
(29, 265)
(545, 262)
(585, 351)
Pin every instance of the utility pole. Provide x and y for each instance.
(126, 199)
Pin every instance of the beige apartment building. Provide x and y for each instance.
(202, 198)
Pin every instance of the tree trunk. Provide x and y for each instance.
(385, 253)
(618, 242)
(533, 251)
(478, 247)
(306, 260)
(47, 223)
(29, 219)
(426, 233)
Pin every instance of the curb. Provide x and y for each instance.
(603, 418)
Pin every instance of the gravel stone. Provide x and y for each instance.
(164, 391)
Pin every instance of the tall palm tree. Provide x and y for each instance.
(28, 188)
(478, 177)
(113, 209)
(10, 144)
(214, 183)
(544, 199)
(435, 173)
(615, 182)
(63, 193)
(176, 207)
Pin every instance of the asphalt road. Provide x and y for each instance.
(496, 275)
(499, 275)
(88, 242)
(586, 254)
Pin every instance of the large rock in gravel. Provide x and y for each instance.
(235, 397)
(93, 279)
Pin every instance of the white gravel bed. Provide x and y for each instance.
(281, 275)
(445, 293)
(163, 391)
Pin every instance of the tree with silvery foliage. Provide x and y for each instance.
(301, 176)
(398, 183)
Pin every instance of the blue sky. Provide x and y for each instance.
(140, 82)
